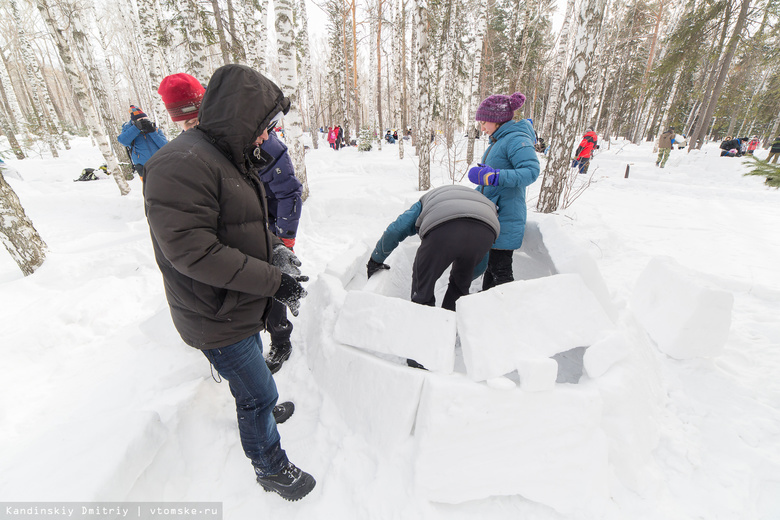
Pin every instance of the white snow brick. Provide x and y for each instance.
(600, 356)
(514, 321)
(537, 374)
(398, 327)
(682, 313)
(474, 442)
(569, 256)
(377, 398)
(349, 263)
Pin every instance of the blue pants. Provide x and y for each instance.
(253, 387)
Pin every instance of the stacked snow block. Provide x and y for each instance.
(684, 315)
(402, 328)
(534, 331)
(475, 433)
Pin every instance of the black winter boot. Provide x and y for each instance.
(278, 354)
(291, 483)
(283, 411)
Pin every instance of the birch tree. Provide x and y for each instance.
(558, 72)
(476, 72)
(9, 129)
(423, 97)
(285, 38)
(398, 63)
(574, 98)
(148, 16)
(17, 232)
(308, 80)
(78, 41)
(43, 111)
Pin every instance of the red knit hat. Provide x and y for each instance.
(182, 95)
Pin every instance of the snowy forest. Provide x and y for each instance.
(630, 69)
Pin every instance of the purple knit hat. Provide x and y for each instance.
(499, 108)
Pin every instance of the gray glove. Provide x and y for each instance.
(286, 260)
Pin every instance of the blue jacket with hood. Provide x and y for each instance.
(282, 189)
(142, 146)
(512, 152)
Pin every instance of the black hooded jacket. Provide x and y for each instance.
(208, 217)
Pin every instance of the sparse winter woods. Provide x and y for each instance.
(706, 68)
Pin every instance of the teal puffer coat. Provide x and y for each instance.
(512, 152)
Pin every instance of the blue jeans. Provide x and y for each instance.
(253, 387)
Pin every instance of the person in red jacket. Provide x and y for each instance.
(585, 150)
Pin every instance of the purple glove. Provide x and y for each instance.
(484, 175)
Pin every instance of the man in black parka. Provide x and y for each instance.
(221, 265)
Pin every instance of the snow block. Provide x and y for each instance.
(537, 374)
(357, 382)
(600, 356)
(393, 326)
(377, 398)
(568, 256)
(348, 264)
(683, 314)
(474, 442)
(492, 344)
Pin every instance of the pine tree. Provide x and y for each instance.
(765, 169)
(364, 141)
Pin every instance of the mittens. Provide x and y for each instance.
(373, 266)
(484, 175)
(286, 260)
(290, 292)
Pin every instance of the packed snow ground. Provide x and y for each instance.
(102, 401)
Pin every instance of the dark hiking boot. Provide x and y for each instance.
(278, 354)
(283, 411)
(291, 483)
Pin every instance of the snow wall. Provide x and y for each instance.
(538, 388)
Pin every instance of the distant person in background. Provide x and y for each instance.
(182, 95)
(339, 137)
(752, 145)
(389, 137)
(730, 147)
(141, 138)
(665, 147)
(332, 137)
(508, 166)
(774, 151)
(585, 150)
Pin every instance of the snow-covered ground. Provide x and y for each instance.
(101, 401)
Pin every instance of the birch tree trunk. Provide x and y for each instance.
(194, 41)
(308, 79)
(253, 15)
(80, 89)
(558, 72)
(16, 113)
(379, 72)
(424, 97)
(148, 15)
(398, 63)
(374, 83)
(476, 71)
(285, 37)
(44, 113)
(17, 232)
(574, 98)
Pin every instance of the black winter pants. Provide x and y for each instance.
(277, 324)
(462, 243)
(499, 268)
